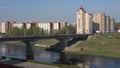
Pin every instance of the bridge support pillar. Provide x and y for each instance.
(29, 49)
(62, 44)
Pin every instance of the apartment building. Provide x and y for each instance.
(84, 22)
(103, 23)
(99, 22)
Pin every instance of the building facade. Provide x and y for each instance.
(103, 23)
(84, 22)
(112, 24)
(99, 22)
(47, 26)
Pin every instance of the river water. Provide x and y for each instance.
(84, 61)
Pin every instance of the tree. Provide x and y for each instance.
(15, 31)
(117, 25)
(68, 30)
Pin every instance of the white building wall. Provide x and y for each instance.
(91, 24)
(3, 29)
(45, 26)
(28, 25)
(56, 26)
(19, 25)
(0, 28)
(80, 22)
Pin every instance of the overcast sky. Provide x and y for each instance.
(55, 10)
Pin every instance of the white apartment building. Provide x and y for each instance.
(18, 25)
(84, 22)
(2, 27)
(28, 25)
(46, 26)
(56, 25)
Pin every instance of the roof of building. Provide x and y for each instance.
(81, 8)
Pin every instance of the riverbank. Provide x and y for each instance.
(40, 44)
(17, 63)
(100, 45)
(8, 66)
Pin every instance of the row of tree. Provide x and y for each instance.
(117, 25)
(38, 31)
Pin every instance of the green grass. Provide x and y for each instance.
(59, 65)
(51, 64)
(101, 53)
(17, 43)
(39, 47)
(48, 42)
(102, 45)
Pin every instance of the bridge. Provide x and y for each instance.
(30, 41)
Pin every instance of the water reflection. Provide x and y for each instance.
(84, 61)
(46, 56)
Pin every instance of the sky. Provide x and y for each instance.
(55, 10)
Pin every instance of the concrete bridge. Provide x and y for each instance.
(30, 41)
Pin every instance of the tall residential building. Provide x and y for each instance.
(112, 24)
(84, 22)
(107, 24)
(99, 22)
(3, 28)
(103, 23)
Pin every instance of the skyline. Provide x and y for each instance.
(54, 10)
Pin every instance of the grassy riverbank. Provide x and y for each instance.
(44, 63)
(102, 45)
(59, 65)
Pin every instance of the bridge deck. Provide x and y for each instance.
(40, 37)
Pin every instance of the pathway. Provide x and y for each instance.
(26, 64)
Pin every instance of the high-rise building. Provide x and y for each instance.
(103, 23)
(112, 24)
(107, 24)
(84, 22)
(99, 22)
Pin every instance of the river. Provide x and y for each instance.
(84, 61)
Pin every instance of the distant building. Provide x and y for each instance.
(62, 25)
(112, 24)
(47, 26)
(2, 27)
(99, 22)
(17, 24)
(84, 22)
(103, 23)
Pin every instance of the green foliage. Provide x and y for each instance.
(24, 32)
(2, 33)
(117, 25)
(68, 30)
(14, 32)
